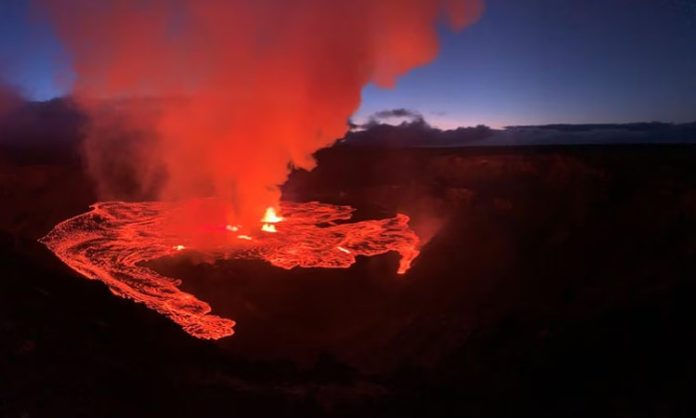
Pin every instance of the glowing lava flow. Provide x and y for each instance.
(112, 242)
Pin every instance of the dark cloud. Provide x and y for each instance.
(383, 116)
(416, 133)
(419, 133)
(629, 133)
(397, 113)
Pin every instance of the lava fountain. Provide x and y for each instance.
(112, 241)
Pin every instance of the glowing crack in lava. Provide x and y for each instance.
(112, 242)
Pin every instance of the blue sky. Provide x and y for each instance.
(524, 62)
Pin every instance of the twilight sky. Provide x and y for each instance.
(524, 62)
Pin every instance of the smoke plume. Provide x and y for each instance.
(246, 89)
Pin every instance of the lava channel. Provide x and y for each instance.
(114, 240)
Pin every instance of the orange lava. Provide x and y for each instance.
(112, 242)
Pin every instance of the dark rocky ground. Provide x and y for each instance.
(560, 283)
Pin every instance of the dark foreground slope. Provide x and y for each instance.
(554, 283)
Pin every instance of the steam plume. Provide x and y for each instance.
(252, 87)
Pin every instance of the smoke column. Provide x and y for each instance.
(223, 97)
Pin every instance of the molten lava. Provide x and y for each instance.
(112, 242)
(270, 217)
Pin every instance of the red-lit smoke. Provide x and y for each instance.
(244, 89)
